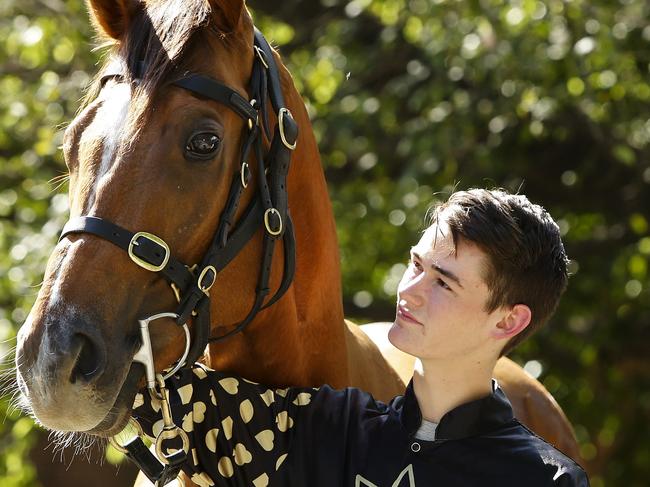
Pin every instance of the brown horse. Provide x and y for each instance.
(150, 156)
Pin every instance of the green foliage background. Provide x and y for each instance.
(408, 99)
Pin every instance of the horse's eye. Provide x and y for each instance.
(202, 146)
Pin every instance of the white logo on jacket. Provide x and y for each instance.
(361, 482)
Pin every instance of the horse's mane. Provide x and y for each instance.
(157, 38)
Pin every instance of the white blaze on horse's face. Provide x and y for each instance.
(113, 113)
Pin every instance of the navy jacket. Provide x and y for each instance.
(244, 434)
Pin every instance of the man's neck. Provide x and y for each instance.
(441, 387)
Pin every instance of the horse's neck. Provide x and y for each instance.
(300, 339)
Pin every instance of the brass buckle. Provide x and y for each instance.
(143, 263)
(253, 102)
(284, 111)
(206, 289)
(267, 224)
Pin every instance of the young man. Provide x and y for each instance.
(488, 272)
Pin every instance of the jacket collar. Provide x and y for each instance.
(473, 418)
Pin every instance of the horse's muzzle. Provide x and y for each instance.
(62, 372)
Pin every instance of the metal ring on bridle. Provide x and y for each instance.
(281, 114)
(186, 352)
(176, 291)
(243, 174)
(262, 56)
(116, 444)
(145, 354)
(267, 223)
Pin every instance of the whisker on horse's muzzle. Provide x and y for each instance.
(63, 371)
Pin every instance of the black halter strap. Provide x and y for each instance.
(268, 210)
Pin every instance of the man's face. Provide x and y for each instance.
(441, 300)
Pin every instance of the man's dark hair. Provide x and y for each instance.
(526, 262)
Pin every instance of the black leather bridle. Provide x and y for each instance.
(191, 285)
(268, 210)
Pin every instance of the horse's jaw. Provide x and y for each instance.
(120, 412)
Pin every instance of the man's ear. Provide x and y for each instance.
(226, 14)
(514, 322)
(111, 18)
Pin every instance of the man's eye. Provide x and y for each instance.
(443, 284)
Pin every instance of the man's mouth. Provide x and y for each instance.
(405, 315)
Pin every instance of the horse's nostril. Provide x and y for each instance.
(88, 363)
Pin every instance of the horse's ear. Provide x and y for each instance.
(227, 13)
(111, 18)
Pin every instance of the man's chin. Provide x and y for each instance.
(394, 335)
(398, 336)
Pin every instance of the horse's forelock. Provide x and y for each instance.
(156, 42)
(156, 39)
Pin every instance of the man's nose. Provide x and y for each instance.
(410, 290)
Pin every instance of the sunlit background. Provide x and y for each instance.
(409, 99)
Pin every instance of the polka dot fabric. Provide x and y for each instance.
(241, 433)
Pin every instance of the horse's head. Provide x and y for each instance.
(148, 156)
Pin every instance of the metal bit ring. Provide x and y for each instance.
(145, 354)
(170, 434)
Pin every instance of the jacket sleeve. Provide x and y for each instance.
(241, 433)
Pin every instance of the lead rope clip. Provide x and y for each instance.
(170, 431)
